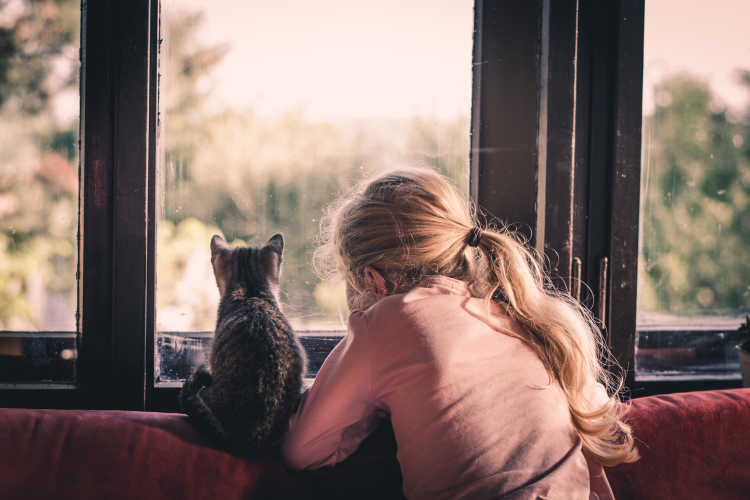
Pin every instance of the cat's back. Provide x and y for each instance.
(253, 332)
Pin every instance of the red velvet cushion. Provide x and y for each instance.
(693, 446)
(47, 454)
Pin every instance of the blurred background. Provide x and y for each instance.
(39, 109)
(695, 217)
(38, 164)
(694, 264)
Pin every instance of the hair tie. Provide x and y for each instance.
(474, 236)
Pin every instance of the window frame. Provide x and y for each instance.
(114, 151)
(573, 102)
(563, 76)
(567, 76)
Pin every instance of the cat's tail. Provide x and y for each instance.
(195, 400)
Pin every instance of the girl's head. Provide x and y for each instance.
(403, 224)
(406, 224)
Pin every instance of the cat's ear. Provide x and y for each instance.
(273, 257)
(220, 251)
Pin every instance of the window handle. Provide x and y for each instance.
(575, 282)
(602, 303)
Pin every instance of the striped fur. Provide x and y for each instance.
(256, 362)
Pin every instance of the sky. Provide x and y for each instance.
(342, 59)
(711, 39)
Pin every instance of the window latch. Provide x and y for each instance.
(601, 310)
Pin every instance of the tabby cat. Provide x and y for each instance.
(256, 362)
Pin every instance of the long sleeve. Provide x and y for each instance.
(337, 412)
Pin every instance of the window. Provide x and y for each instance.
(38, 191)
(555, 125)
(694, 278)
(270, 111)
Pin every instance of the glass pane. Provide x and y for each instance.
(694, 270)
(39, 108)
(273, 109)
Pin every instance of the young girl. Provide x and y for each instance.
(488, 374)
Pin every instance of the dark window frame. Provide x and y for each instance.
(117, 48)
(567, 76)
(562, 77)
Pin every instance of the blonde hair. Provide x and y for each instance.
(412, 222)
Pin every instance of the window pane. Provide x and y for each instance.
(39, 109)
(694, 270)
(273, 109)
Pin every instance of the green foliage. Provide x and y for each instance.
(38, 162)
(38, 213)
(695, 204)
(30, 48)
(187, 296)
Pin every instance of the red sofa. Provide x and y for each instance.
(693, 446)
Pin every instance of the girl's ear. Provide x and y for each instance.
(374, 281)
(220, 250)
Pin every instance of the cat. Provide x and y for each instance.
(257, 364)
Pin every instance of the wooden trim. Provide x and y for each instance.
(155, 77)
(594, 136)
(625, 188)
(559, 115)
(580, 215)
(607, 167)
(645, 389)
(565, 77)
(115, 151)
(95, 348)
(524, 105)
(505, 112)
(130, 217)
(476, 101)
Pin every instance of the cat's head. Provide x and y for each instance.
(247, 270)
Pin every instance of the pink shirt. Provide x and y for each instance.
(469, 418)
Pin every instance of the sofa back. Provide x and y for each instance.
(692, 445)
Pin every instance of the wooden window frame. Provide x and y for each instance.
(119, 42)
(563, 77)
(581, 101)
(566, 76)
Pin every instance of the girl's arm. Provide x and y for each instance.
(337, 412)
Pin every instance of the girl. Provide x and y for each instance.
(488, 374)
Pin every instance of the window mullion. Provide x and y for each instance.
(523, 122)
(155, 400)
(556, 137)
(626, 165)
(505, 118)
(115, 151)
